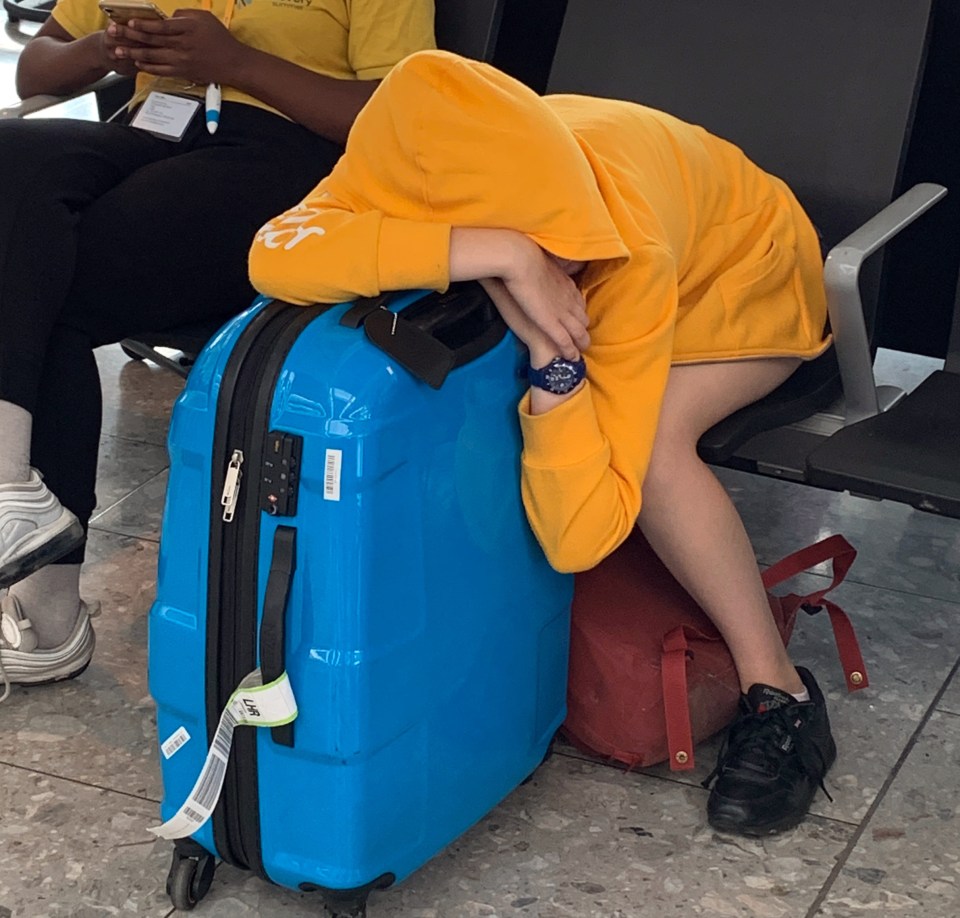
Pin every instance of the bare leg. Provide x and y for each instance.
(691, 523)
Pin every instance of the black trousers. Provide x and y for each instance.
(106, 231)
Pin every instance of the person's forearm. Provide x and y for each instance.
(325, 105)
(480, 253)
(58, 66)
(490, 255)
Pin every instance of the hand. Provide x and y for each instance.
(192, 45)
(111, 40)
(535, 295)
(546, 304)
(542, 348)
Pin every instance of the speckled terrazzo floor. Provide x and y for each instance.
(79, 780)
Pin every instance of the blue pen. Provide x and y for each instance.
(213, 107)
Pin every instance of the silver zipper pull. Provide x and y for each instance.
(231, 486)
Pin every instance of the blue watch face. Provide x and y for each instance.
(560, 376)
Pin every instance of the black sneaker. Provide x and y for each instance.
(772, 762)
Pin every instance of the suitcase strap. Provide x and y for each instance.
(283, 563)
(433, 335)
(676, 649)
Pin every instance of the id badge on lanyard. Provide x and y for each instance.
(168, 115)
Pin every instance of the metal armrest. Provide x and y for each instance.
(841, 273)
(37, 103)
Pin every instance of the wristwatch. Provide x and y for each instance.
(560, 376)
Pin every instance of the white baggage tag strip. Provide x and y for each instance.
(253, 704)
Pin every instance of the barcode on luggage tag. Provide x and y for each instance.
(209, 789)
(223, 739)
(177, 740)
(331, 474)
(194, 816)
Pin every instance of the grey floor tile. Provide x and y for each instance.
(124, 466)
(907, 861)
(98, 728)
(909, 645)
(583, 841)
(950, 702)
(71, 851)
(137, 397)
(138, 513)
(900, 548)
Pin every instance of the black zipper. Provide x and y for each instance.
(242, 423)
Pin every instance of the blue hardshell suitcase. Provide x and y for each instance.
(424, 634)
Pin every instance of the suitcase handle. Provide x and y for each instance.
(435, 334)
(273, 664)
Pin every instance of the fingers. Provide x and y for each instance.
(563, 318)
(136, 34)
(545, 333)
(146, 57)
(570, 339)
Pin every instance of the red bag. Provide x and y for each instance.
(650, 675)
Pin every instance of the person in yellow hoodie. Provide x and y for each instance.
(660, 280)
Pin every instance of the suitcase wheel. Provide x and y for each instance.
(189, 879)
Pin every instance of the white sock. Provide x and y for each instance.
(802, 696)
(16, 425)
(50, 598)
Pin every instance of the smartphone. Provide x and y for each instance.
(122, 11)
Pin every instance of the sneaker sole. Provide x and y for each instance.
(732, 827)
(54, 548)
(50, 680)
(19, 674)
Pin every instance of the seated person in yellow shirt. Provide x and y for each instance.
(660, 281)
(143, 224)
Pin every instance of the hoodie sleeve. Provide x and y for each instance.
(584, 461)
(323, 251)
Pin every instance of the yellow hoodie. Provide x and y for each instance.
(695, 255)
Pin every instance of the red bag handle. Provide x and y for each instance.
(834, 548)
(675, 648)
(676, 702)
(837, 549)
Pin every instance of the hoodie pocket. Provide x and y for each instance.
(752, 280)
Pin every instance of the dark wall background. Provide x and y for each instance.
(528, 38)
(921, 266)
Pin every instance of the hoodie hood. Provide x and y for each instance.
(448, 140)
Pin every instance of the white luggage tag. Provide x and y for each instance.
(253, 704)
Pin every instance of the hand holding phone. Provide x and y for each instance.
(122, 11)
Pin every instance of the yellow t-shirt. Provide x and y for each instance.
(696, 254)
(345, 39)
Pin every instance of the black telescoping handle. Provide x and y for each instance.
(283, 563)
(435, 334)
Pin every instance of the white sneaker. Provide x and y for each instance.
(35, 528)
(20, 661)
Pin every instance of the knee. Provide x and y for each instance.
(673, 459)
